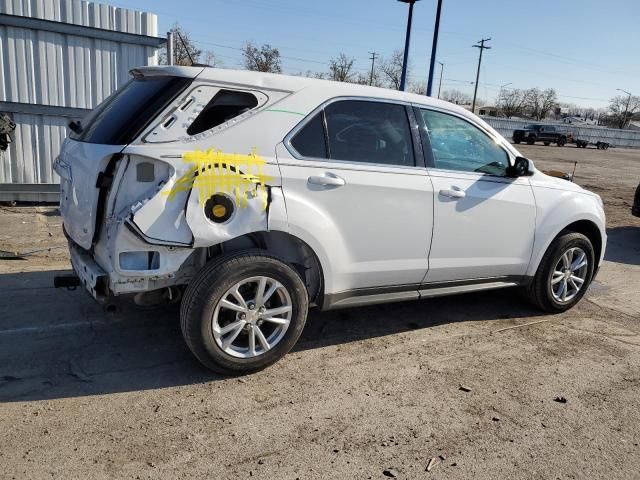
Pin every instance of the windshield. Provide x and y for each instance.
(122, 117)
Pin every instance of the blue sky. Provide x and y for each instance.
(585, 49)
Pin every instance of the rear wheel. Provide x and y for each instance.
(516, 141)
(243, 313)
(547, 143)
(531, 140)
(562, 141)
(564, 274)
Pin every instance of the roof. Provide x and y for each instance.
(291, 83)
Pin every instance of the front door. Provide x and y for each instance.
(484, 221)
(354, 192)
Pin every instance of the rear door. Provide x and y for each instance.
(484, 221)
(355, 192)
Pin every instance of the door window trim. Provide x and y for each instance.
(428, 156)
(411, 121)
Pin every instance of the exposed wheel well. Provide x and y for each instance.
(287, 247)
(589, 230)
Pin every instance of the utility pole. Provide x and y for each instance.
(440, 85)
(626, 108)
(475, 90)
(434, 47)
(373, 61)
(407, 41)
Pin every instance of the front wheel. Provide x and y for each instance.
(564, 274)
(244, 312)
(562, 141)
(531, 140)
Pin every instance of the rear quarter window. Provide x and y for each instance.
(126, 113)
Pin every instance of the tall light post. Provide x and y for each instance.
(407, 39)
(434, 48)
(626, 108)
(440, 84)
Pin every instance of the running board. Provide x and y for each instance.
(400, 293)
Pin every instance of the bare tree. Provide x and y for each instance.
(549, 101)
(391, 69)
(532, 102)
(341, 68)
(262, 59)
(511, 102)
(419, 87)
(209, 58)
(184, 48)
(622, 108)
(456, 96)
(540, 102)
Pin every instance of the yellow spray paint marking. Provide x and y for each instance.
(214, 172)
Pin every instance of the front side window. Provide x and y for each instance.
(458, 145)
(369, 132)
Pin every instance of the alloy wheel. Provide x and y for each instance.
(252, 317)
(569, 275)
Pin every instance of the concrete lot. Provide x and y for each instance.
(85, 394)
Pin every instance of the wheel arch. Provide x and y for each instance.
(290, 248)
(586, 227)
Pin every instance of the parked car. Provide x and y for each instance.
(541, 133)
(635, 209)
(256, 196)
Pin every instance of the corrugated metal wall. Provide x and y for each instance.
(63, 70)
(617, 138)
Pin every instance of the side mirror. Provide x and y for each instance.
(520, 168)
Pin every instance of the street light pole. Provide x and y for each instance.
(434, 48)
(626, 108)
(440, 84)
(407, 39)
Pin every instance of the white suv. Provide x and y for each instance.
(254, 196)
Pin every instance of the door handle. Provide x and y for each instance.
(327, 180)
(453, 192)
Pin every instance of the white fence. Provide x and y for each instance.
(617, 138)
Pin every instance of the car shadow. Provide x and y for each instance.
(56, 343)
(623, 245)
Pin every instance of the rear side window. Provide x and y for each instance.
(310, 140)
(122, 117)
(225, 105)
(369, 132)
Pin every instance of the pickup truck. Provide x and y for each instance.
(540, 133)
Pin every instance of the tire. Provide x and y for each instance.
(547, 144)
(517, 142)
(542, 292)
(531, 140)
(562, 141)
(202, 316)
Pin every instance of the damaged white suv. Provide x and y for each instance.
(254, 196)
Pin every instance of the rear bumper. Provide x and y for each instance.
(92, 277)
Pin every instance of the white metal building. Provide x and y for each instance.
(58, 59)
